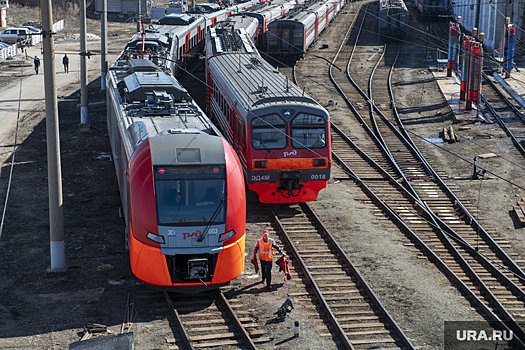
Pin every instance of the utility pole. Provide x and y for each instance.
(83, 69)
(54, 173)
(104, 48)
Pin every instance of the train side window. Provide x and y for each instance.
(180, 53)
(308, 131)
(269, 132)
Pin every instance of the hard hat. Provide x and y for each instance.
(265, 232)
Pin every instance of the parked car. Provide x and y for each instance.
(32, 29)
(13, 35)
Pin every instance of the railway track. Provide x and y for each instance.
(397, 177)
(208, 320)
(502, 108)
(356, 315)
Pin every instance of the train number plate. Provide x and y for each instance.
(317, 177)
(260, 178)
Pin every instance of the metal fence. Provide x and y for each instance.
(8, 52)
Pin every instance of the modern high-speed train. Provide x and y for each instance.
(181, 183)
(281, 135)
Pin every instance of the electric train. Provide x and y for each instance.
(181, 183)
(281, 135)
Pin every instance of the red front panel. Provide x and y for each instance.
(268, 192)
(147, 261)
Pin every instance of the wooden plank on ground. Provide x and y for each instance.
(519, 215)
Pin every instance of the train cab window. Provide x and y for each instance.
(308, 131)
(269, 132)
(192, 195)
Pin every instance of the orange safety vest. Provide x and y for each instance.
(266, 249)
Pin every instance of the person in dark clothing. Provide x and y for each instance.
(65, 62)
(265, 246)
(36, 63)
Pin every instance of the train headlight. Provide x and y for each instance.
(227, 235)
(319, 162)
(260, 164)
(156, 238)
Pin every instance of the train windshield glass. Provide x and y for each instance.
(269, 132)
(308, 131)
(190, 195)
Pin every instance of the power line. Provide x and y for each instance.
(14, 150)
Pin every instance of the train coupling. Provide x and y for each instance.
(198, 268)
(290, 181)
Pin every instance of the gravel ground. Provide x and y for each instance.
(41, 311)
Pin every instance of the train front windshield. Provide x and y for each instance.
(190, 195)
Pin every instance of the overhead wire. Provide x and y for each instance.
(398, 103)
(13, 154)
(464, 243)
(292, 138)
(377, 190)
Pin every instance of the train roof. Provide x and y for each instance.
(304, 10)
(177, 19)
(187, 148)
(248, 23)
(153, 103)
(254, 81)
(389, 4)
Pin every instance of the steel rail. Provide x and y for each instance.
(499, 119)
(457, 202)
(340, 332)
(425, 248)
(445, 240)
(500, 93)
(399, 332)
(178, 321)
(374, 137)
(248, 342)
(432, 218)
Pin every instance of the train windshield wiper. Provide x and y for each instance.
(215, 213)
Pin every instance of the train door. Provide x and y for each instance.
(326, 18)
(316, 26)
(239, 135)
(286, 37)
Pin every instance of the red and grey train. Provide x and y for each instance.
(268, 12)
(281, 135)
(182, 36)
(292, 34)
(181, 183)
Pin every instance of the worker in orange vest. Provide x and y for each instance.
(265, 246)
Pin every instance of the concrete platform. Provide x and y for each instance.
(515, 85)
(450, 87)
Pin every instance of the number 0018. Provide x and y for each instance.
(318, 176)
